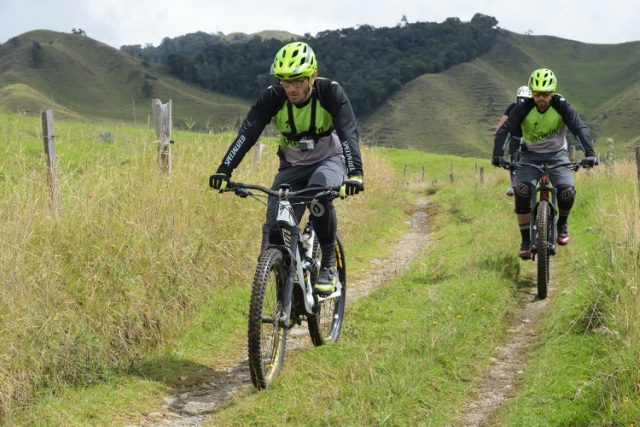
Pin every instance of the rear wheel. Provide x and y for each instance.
(543, 242)
(326, 323)
(267, 338)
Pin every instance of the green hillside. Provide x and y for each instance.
(94, 81)
(456, 111)
(453, 112)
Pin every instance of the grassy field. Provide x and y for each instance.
(140, 285)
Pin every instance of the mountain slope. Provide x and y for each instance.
(95, 81)
(456, 111)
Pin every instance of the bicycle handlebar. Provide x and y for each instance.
(542, 168)
(244, 190)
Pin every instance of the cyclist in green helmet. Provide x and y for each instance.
(318, 146)
(543, 121)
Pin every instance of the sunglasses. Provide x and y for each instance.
(295, 83)
(542, 94)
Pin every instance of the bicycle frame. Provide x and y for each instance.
(298, 251)
(298, 273)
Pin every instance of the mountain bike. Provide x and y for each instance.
(543, 219)
(282, 294)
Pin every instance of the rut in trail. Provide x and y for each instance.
(508, 363)
(190, 407)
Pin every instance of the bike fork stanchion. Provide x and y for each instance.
(534, 230)
(288, 297)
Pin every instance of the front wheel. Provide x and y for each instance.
(325, 324)
(267, 337)
(543, 242)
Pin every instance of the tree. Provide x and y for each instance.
(147, 89)
(370, 63)
(36, 55)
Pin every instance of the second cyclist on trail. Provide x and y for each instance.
(543, 121)
(522, 94)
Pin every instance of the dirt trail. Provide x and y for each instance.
(190, 407)
(507, 364)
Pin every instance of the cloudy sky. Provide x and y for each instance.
(130, 22)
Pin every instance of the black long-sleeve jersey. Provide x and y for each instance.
(544, 132)
(326, 117)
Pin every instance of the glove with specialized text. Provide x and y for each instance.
(496, 161)
(353, 185)
(589, 162)
(219, 181)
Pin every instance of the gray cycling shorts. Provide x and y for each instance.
(559, 176)
(328, 173)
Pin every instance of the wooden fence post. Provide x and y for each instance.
(638, 162)
(481, 174)
(257, 153)
(52, 162)
(162, 117)
(451, 174)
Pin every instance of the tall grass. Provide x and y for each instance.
(616, 294)
(134, 257)
(112, 277)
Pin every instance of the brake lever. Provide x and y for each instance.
(242, 192)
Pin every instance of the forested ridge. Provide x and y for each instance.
(370, 63)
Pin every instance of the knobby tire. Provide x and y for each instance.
(543, 242)
(326, 323)
(267, 337)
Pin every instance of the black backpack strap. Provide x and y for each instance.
(292, 123)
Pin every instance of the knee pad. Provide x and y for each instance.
(522, 189)
(318, 208)
(522, 195)
(566, 197)
(566, 192)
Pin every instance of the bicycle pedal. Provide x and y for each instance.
(335, 294)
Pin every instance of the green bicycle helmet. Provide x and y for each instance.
(543, 80)
(293, 61)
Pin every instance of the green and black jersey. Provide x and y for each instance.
(544, 132)
(326, 117)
